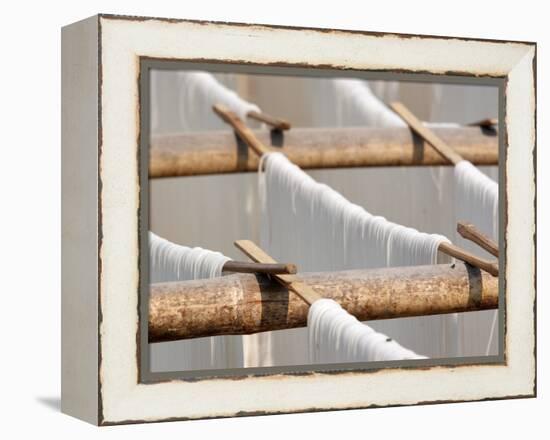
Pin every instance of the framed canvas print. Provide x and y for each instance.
(262, 220)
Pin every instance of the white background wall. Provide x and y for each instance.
(30, 185)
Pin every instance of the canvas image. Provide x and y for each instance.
(326, 221)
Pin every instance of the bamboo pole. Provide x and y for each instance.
(221, 152)
(246, 304)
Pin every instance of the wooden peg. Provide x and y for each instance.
(485, 123)
(291, 282)
(467, 257)
(246, 135)
(470, 232)
(425, 133)
(274, 123)
(248, 267)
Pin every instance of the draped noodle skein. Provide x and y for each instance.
(170, 262)
(320, 230)
(476, 198)
(336, 336)
(314, 226)
(200, 91)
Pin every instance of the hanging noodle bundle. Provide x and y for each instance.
(199, 91)
(336, 336)
(356, 102)
(313, 225)
(171, 262)
(477, 198)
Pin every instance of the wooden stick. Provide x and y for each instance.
(291, 282)
(461, 254)
(217, 152)
(246, 135)
(425, 133)
(276, 123)
(246, 303)
(248, 267)
(487, 123)
(470, 232)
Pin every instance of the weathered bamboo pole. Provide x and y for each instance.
(246, 304)
(222, 152)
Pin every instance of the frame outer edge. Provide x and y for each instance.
(115, 420)
(80, 226)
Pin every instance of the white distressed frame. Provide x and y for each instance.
(122, 41)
